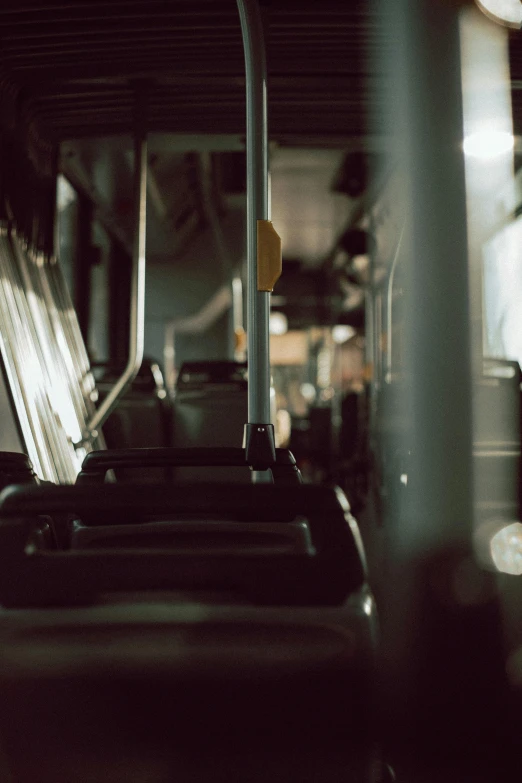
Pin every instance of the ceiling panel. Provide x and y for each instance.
(70, 66)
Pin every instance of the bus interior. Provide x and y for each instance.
(260, 528)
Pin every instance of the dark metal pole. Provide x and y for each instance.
(259, 433)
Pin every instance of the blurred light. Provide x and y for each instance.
(506, 12)
(237, 302)
(341, 333)
(65, 193)
(360, 263)
(278, 323)
(488, 144)
(506, 549)
(289, 349)
(324, 360)
(353, 295)
(308, 391)
(499, 371)
(283, 427)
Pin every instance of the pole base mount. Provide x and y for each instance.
(259, 444)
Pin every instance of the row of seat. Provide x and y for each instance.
(310, 527)
(243, 609)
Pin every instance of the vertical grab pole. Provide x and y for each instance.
(261, 238)
(389, 310)
(137, 303)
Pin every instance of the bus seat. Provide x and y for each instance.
(97, 463)
(320, 561)
(210, 409)
(16, 468)
(142, 417)
(163, 692)
(254, 656)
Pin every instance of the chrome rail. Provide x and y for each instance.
(137, 312)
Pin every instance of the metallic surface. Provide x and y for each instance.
(258, 302)
(389, 311)
(434, 515)
(197, 323)
(137, 303)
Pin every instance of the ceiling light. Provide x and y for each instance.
(505, 12)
